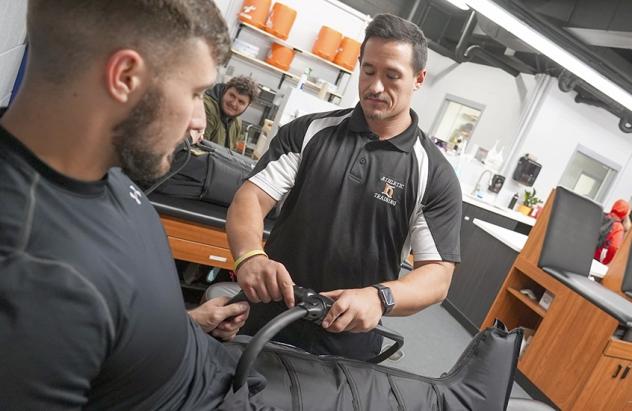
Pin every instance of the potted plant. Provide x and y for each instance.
(530, 200)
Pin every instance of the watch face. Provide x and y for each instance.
(387, 299)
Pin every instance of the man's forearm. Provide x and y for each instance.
(244, 225)
(426, 285)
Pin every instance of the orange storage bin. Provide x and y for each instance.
(348, 54)
(255, 12)
(280, 56)
(327, 43)
(280, 21)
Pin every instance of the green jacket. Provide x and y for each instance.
(218, 126)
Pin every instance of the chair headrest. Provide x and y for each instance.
(572, 233)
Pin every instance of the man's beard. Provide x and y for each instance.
(380, 115)
(134, 139)
(377, 116)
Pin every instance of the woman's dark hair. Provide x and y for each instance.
(390, 27)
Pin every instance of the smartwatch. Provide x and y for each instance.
(386, 297)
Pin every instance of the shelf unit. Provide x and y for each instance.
(341, 69)
(534, 306)
(286, 74)
(569, 337)
(518, 310)
(574, 357)
(263, 63)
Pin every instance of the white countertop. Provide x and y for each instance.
(516, 242)
(504, 211)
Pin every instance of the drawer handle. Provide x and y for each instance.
(217, 258)
(616, 373)
(625, 373)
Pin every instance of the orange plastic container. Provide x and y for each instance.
(280, 21)
(255, 12)
(327, 43)
(348, 53)
(280, 56)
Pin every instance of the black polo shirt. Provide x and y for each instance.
(353, 206)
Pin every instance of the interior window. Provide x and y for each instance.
(456, 122)
(589, 174)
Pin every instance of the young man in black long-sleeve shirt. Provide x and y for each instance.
(91, 314)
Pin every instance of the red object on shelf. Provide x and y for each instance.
(255, 12)
(348, 55)
(280, 56)
(280, 21)
(327, 43)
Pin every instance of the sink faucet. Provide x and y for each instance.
(477, 187)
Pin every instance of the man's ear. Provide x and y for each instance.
(419, 79)
(126, 73)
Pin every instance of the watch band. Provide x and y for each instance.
(386, 298)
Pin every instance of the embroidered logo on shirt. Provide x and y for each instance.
(389, 192)
(135, 194)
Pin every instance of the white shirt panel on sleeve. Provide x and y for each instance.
(278, 177)
(420, 238)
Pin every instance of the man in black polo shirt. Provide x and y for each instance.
(360, 188)
(91, 312)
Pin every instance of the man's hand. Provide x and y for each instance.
(355, 310)
(222, 321)
(265, 280)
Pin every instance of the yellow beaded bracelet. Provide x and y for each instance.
(246, 256)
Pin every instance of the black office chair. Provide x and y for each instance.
(571, 235)
(568, 248)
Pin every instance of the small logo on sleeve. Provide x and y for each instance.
(389, 192)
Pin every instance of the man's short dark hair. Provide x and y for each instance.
(245, 86)
(65, 35)
(390, 27)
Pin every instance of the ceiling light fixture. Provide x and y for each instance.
(547, 47)
(459, 3)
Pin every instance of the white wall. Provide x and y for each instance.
(505, 97)
(560, 125)
(223, 5)
(12, 37)
(294, 104)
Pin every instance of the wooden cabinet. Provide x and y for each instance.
(610, 385)
(573, 358)
(197, 243)
(570, 336)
